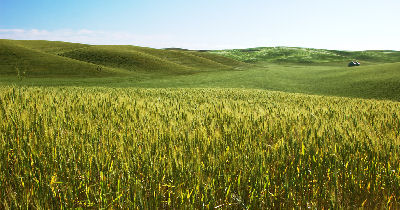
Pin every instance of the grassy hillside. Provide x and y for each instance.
(311, 71)
(124, 58)
(307, 55)
(381, 81)
(31, 62)
(63, 59)
(374, 81)
(53, 47)
(191, 58)
(135, 58)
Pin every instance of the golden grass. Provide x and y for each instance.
(195, 148)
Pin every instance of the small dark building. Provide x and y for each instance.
(353, 63)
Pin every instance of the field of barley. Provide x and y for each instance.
(71, 147)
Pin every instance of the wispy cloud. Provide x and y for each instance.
(5, 31)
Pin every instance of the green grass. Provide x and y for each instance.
(52, 47)
(62, 59)
(33, 63)
(128, 59)
(195, 148)
(307, 55)
(190, 58)
(374, 81)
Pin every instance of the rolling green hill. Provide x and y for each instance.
(192, 58)
(133, 58)
(123, 58)
(307, 55)
(289, 69)
(53, 47)
(63, 59)
(20, 59)
(380, 81)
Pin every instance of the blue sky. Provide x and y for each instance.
(207, 24)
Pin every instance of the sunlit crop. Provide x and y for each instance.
(195, 148)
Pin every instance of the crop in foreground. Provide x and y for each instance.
(195, 148)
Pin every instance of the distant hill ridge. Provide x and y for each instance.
(307, 55)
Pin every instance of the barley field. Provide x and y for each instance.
(71, 147)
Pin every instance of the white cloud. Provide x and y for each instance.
(11, 31)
